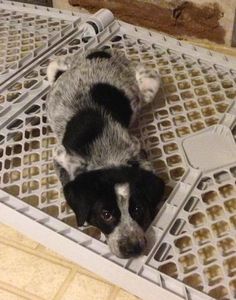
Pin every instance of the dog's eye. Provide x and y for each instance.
(106, 216)
(137, 210)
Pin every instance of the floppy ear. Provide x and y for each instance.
(79, 203)
(57, 67)
(152, 188)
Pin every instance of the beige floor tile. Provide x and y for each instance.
(4, 295)
(30, 273)
(122, 295)
(63, 261)
(51, 254)
(10, 234)
(86, 288)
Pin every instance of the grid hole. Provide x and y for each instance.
(210, 197)
(233, 171)
(31, 200)
(188, 263)
(220, 228)
(202, 236)
(197, 219)
(230, 266)
(215, 212)
(226, 246)
(34, 109)
(230, 205)
(227, 190)
(191, 204)
(213, 275)
(16, 124)
(207, 254)
(170, 148)
(178, 227)
(51, 210)
(169, 269)
(183, 244)
(162, 253)
(194, 281)
(50, 196)
(177, 173)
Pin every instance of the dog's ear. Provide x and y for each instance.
(79, 200)
(57, 67)
(152, 188)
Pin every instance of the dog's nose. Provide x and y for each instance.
(132, 248)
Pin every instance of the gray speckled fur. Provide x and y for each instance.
(70, 93)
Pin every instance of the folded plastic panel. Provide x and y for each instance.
(27, 31)
(192, 253)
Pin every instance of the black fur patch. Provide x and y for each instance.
(84, 128)
(98, 54)
(88, 195)
(114, 101)
(93, 191)
(58, 74)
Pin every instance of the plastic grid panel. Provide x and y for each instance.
(26, 165)
(195, 93)
(27, 31)
(159, 128)
(32, 80)
(27, 142)
(200, 247)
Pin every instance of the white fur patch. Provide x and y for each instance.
(122, 190)
(149, 83)
(54, 67)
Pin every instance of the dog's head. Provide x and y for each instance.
(121, 202)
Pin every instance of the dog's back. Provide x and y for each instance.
(91, 105)
(90, 81)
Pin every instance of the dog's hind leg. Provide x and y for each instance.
(57, 67)
(149, 83)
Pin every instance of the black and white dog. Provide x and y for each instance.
(106, 180)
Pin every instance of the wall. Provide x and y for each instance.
(200, 19)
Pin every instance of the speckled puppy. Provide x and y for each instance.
(106, 181)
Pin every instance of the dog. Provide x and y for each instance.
(107, 181)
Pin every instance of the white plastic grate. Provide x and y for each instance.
(192, 253)
(199, 249)
(27, 31)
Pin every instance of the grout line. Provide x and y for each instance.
(18, 292)
(61, 291)
(114, 292)
(34, 252)
(72, 265)
(39, 252)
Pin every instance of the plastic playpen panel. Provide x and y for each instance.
(27, 31)
(192, 254)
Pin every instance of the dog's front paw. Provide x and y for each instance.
(73, 164)
(149, 83)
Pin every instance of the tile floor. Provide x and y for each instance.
(29, 271)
